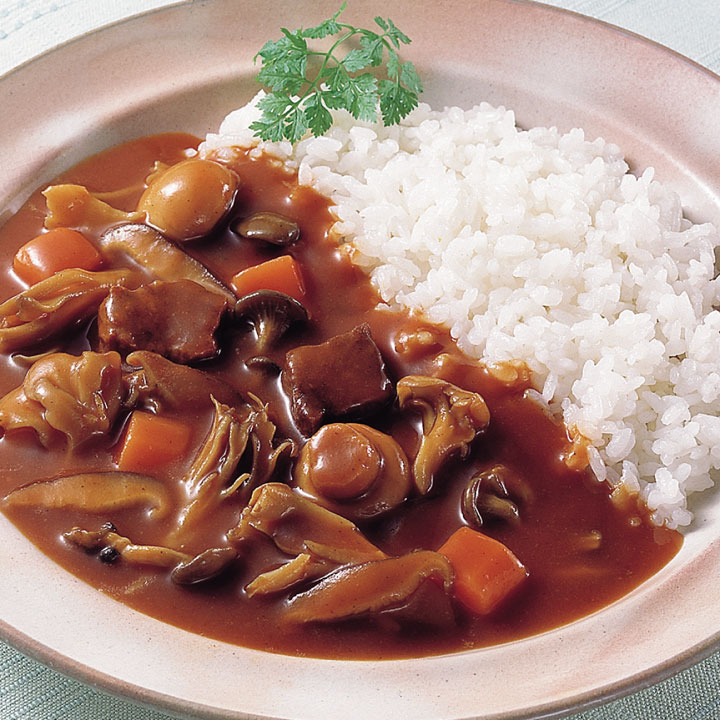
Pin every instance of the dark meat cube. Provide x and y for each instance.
(175, 319)
(341, 378)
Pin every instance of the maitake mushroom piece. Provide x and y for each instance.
(79, 397)
(99, 492)
(297, 525)
(186, 569)
(161, 258)
(213, 476)
(65, 299)
(369, 588)
(75, 206)
(301, 568)
(359, 578)
(451, 417)
(353, 470)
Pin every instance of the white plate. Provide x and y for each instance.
(183, 68)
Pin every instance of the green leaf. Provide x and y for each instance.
(274, 103)
(357, 59)
(410, 79)
(396, 35)
(295, 38)
(268, 127)
(283, 77)
(317, 116)
(363, 102)
(395, 102)
(301, 99)
(393, 65)
(373, 45)
(273, 49)
(295, 124)
(325, 28)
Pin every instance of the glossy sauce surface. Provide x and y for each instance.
(570, 575)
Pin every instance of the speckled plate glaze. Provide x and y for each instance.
(183, 68)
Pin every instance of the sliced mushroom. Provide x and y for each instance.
(495, 493)
(99, 492)
(267, 227)
(187, 200)
(161, 258)
(369, 588)
(79, 397)
(451, 417)
(54, 305)
(270, 313)
(297, 525)
(353, 470)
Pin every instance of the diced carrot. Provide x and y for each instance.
(54, 250)
(151, 442)
(281, 274)
(486, 571)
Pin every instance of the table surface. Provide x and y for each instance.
(30, 691)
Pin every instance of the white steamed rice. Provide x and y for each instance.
(539, 246)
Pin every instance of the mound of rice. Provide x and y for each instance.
(539, 246)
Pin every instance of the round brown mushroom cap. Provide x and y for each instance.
(353, 470)
(188, 199)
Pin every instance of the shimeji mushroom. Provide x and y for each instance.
(271, 314)
(451, 419)
(267, 227)
(186, 569)
(495, 493)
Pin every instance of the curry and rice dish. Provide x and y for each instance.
(209, 415)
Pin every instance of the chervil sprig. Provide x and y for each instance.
(299, 100)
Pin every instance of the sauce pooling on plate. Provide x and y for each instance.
(208, 417)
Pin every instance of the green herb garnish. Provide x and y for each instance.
(298, 103)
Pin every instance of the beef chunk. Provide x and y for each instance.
(341, 378)
(175, 319)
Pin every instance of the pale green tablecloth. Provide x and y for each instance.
(29, 691)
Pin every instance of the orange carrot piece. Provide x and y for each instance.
(151, 442)
(486, 571)
(54, 250)
(281, 274)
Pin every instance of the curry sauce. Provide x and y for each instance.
(581, 551)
